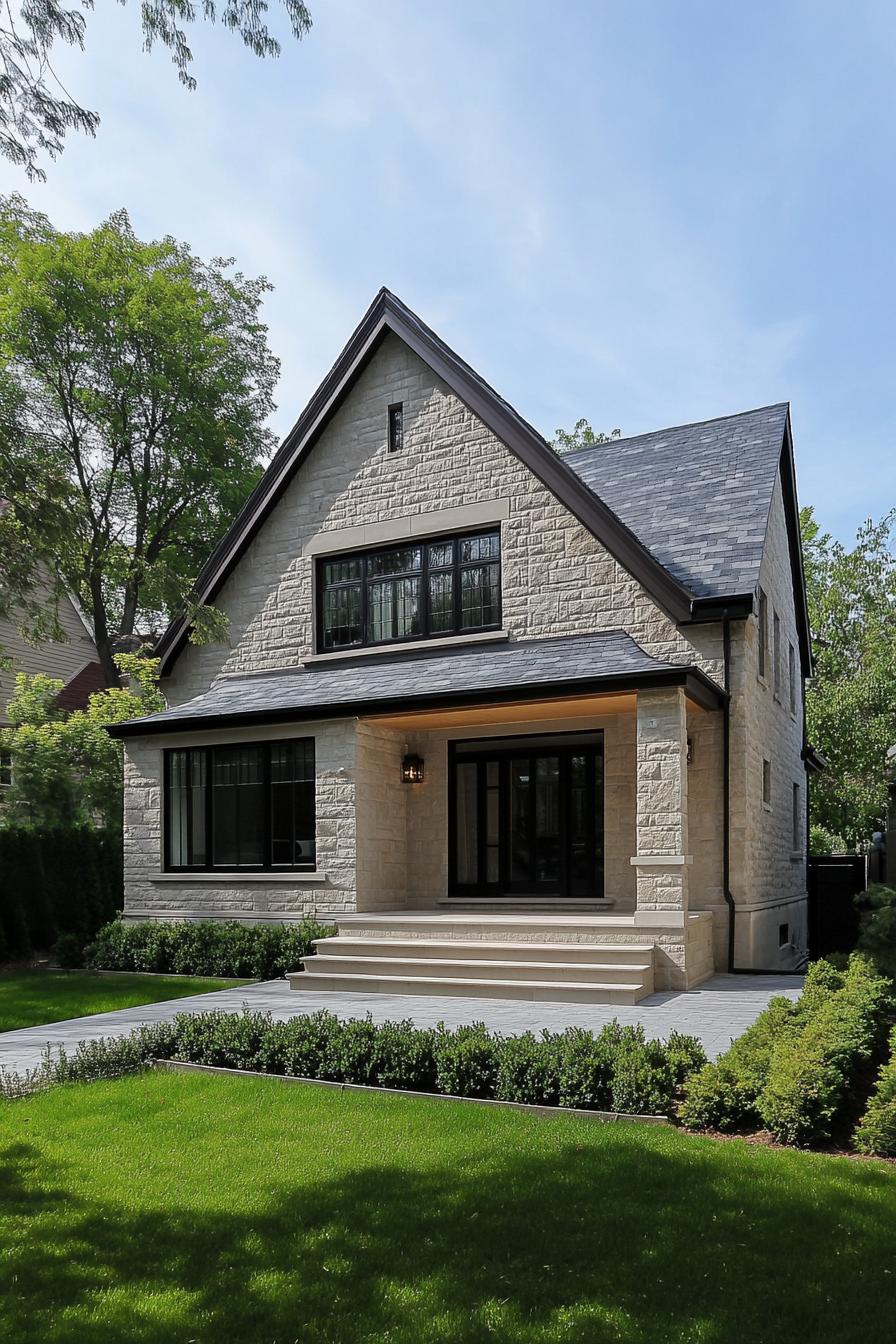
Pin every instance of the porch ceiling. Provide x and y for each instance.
(533, 711)
(484, 675)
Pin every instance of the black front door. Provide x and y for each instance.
(526, 816)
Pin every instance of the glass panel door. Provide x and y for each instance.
(527, 817)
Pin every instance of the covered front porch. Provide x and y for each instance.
(566, 848)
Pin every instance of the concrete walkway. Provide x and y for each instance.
(716, 1012)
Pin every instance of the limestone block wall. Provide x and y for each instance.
(662, 805)
(706, 822)
(768, 861)
(151, 894)
(381, 828)
(557, 578)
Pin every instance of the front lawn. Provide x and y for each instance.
(33, 998)
(168, 1207)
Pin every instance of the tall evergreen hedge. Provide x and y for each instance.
(56, 881)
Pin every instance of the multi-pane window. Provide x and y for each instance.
(245, 806)
(424, 590)
(763, 632)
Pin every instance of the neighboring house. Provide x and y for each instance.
(521, 725)
(72, 660)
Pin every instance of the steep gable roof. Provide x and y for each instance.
(387, 313)
(684, 510)
(697, 495)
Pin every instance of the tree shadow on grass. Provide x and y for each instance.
(621, 1242)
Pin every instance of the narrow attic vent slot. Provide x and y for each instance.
(396, 427)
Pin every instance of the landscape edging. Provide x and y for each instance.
(606, 1117)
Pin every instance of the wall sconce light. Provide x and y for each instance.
(412, 769)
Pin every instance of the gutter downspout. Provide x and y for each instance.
(726, 788)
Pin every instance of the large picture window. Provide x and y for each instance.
(421, 590)
(245, 806)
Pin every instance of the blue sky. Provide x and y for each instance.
(645, 213)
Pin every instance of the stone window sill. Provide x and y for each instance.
(230, 879)
(796, 856)
(413, 645)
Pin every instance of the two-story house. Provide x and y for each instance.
(520, 725)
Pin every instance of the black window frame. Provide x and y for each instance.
(365, 579)
(209, 866)
(396, 427)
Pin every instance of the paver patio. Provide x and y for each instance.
(716, 1012)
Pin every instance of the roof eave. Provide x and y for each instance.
(698, 686)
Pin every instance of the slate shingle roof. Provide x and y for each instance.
(697, 496)
(381, 681)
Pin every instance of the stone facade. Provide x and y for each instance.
(557, 578)
(382, 845)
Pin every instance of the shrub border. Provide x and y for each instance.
(605, 1117)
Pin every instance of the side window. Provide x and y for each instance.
(763, 632)
(767, 783)
(777, 655)
(796, 837)
(792, 675)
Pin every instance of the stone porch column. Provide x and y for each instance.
(662, 818)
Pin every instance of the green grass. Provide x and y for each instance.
(33, 998)
(169, 1208)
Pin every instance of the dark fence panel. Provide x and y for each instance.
(64, 880)
(833, 883)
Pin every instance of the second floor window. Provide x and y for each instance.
(424, 590)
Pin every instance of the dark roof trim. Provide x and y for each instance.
(388, 313)
(697, 685)
(710, 609)
(816, 764)
(795, 546)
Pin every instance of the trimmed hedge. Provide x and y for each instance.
(876, 1132)
(644, 1076)
(725, 1094)
(205, 947)
(795, 1069)
(57, 882)
(811, 1075)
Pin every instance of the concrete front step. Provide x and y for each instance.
(543, 990)
(586, 954)
(480, 968)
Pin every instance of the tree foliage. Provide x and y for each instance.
(135, 382)
(581, 436)
(37, 112)
(851, 701)
(66, 769)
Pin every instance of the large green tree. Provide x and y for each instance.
(580, 436)
(65, 767)
(851, 701)
(37, 111)
(135, 384)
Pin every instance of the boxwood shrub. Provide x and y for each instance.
(812, 1074)
(616, 1068)
(876, 1131)
(205, 947)
(725, 1094)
